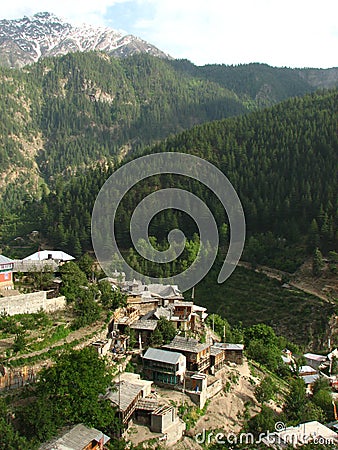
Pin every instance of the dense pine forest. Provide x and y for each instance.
(281, 160)
(69, 122)
(66, 113)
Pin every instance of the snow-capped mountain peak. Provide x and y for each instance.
(26, 40)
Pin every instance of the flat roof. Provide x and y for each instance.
(156, 354)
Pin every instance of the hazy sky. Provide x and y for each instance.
(292, 33)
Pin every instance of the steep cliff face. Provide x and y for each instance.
(320, 78)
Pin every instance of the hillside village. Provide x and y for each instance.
(166, 358)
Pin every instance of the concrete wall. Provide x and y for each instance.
(161, 422)
(30, 303)
(199, 398)
(214, 388)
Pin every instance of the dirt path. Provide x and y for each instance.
(226, 409)
(302, 285)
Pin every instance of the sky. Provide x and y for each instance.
(288, 33)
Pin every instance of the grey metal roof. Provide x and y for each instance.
(309, 379)
(165, 356)
(5, 260)
(234, 346)
(75, 439)
(186, 345)
(144, 325)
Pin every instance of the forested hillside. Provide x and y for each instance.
(67, 113)
(282, 161)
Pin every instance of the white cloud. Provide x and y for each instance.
(84, 11)
(289, 33)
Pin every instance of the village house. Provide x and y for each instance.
(301, 434)
(217, 359)
(123, 318)
(163, 366)
(143, 304)
(102, 346)
(182, 312)
(51, 255)
(179, 314)
(159, 294)
(6, 273)
(309, 376)
(144, 329)
(197, 354)
(136, 403)
(79, 437)
(233, 352)
(42, 261)
(125, 397)
(314, 360)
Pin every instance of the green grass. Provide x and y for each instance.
(59, 333)
(252, 298)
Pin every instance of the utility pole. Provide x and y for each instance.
(183, 390)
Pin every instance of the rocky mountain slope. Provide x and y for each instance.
(26, 40)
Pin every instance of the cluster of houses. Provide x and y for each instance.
(185, 364)
(315, 366)
(38, 261)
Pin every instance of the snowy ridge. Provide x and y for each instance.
(26, 40)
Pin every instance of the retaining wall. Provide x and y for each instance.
(30, 303)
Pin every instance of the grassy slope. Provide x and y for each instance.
(251, 298)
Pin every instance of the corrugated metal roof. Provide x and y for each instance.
(5, 260)
(156, 354)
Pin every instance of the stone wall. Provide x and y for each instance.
(30, 303)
